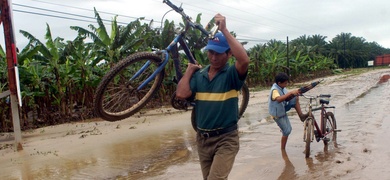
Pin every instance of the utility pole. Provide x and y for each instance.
(288, 61)
(13, 73)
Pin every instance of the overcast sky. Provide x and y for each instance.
(256, 20)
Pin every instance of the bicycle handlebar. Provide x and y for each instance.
(324, 95)
(315, 97)
(174, 7)
(188, 19)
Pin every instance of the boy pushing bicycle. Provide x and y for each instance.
(280, 102)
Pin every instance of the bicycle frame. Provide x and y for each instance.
(321, 134)
(124, 90)
(172, 47)
(311, 127)
(323, 114)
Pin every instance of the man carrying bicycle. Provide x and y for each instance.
(215, 90)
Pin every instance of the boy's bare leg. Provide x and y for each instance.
(283, 142)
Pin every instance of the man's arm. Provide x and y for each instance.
(236, 47)
(183, 90)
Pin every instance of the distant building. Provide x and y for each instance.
(382, 60)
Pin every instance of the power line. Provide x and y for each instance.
(234, 17)
(249, 13)
(85, 9)
(83, 18)
(287, 16)
(59, 12)
(54, 16)
(103, 12)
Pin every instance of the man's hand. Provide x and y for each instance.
(192, 68)
(183, 90)
(220, 21)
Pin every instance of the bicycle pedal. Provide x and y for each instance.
(337, 130)
(316, 135)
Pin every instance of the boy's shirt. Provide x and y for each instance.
(275, 94)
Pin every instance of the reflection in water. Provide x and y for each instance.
(144, 158)
(289, 169)
(322, 164)
(328, 146)
(164, 151)
(310, 164)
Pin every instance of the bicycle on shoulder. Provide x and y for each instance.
(131, 83)
(326, 130)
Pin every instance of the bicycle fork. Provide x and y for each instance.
(308, 126)
(146, 66)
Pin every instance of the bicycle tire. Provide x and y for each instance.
(244, 94)
(117, 97)
(308, 135)
(243, 100)
(330, 127)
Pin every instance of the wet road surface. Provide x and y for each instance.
(362, 107)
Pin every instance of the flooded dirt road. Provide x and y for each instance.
(160, 145)
(361, 152)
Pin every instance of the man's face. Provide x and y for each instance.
(217, 60)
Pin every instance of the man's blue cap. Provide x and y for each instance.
(218, 44)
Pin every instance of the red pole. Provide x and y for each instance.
(12, 62)
(9, 45)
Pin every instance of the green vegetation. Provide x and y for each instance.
(58, 77)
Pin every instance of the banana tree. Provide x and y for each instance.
(122, 40)
(3, 66)
(51, 56)
(84, 76)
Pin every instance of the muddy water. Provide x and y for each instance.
(132, 160)
(149, 156)
(363, 141)
(360, 151)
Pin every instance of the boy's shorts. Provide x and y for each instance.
(284, 125)
(283, 122)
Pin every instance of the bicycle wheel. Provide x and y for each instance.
(243, 100)
(329, 128)
(117, 96)
(193, 120)
(308, 135)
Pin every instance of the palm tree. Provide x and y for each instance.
(349, 51)
(318, 43)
